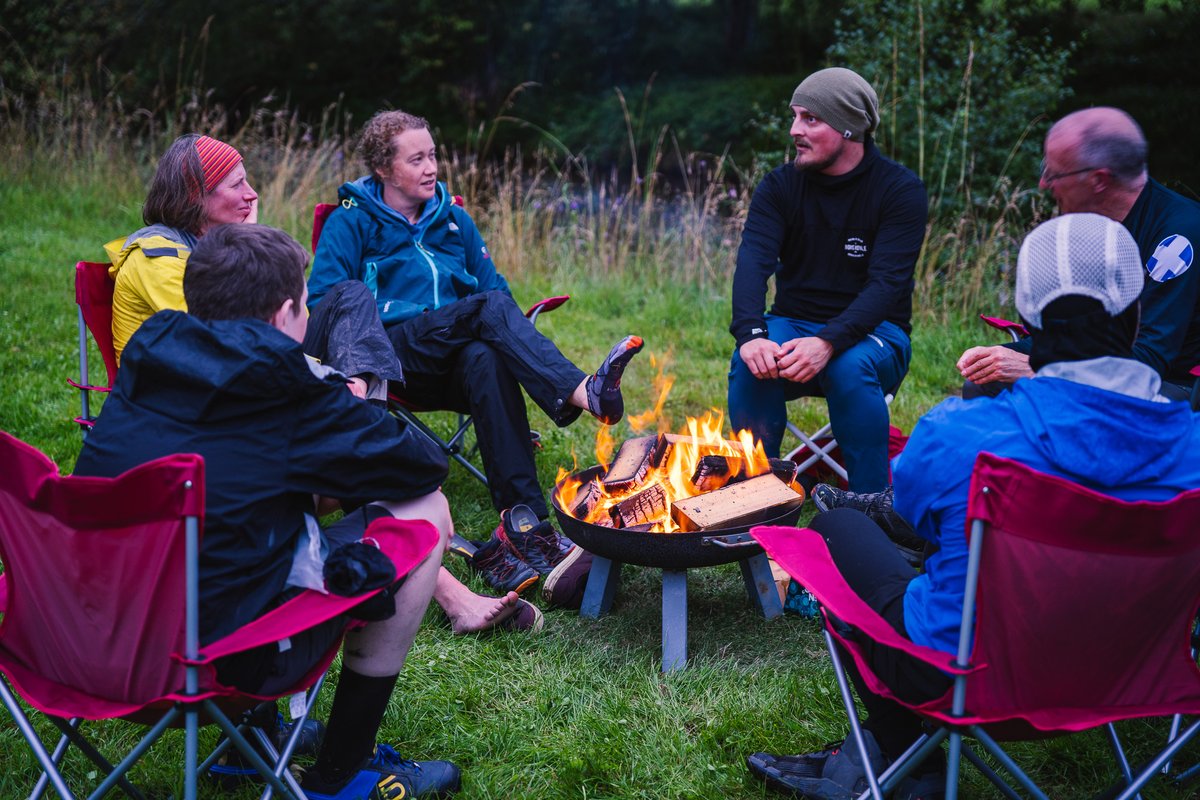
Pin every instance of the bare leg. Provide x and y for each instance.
(379, 648)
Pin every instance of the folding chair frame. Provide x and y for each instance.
(821, 576)
(93, 300)
(821, 453)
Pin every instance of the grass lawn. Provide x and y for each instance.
(581, 710)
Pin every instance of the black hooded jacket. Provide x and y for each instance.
(272, 435)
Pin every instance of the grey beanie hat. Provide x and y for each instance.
(841, 98)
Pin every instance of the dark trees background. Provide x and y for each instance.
(718, 71)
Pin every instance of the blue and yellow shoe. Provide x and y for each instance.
(387, 776)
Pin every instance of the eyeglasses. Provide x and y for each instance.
(1051, 178)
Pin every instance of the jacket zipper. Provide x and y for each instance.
(437, 302)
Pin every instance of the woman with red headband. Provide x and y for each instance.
(200, 182)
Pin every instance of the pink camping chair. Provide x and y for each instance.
(1055, 648)
(94, 297)
(101, 618)
(452, 447)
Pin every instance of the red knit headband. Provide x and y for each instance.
(216, 160)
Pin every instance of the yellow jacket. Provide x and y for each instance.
(147, 268)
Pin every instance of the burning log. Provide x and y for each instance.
(736, 505)
(586, 500)
(633, 462)
(648, 505)
(713, 472)
(784, 469)
(668, 441)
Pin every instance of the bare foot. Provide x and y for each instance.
(483, 613)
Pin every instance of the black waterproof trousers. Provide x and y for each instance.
(474, 356)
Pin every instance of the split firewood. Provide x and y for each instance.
(783, 468)
(648, 505)
(644, 527)
(737, 505)
(713, 472)
(589, 494)
(633, 462)
(669, 441)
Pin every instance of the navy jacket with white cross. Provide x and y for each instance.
(1166, 227)
(842, 249)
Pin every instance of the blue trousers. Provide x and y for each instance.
(854, 383)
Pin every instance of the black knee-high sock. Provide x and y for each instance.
(358, 708)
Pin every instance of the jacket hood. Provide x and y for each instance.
(182, 367)
(367, 193)
(1078, 438)
(153, 240)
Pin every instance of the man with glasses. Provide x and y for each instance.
(1095, 161)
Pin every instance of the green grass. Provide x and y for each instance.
(580, 711)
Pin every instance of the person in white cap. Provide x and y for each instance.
(839, 229)
(1091, 414)
(1095, 161)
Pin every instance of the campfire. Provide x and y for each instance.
(695, 480)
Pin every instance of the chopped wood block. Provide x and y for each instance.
(737, 505)
(633, 461)
(585, 500)
(648, 505)
(668, 441)
(783, 468)
(644, 527)
(712, 472)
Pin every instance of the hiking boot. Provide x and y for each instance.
(564, 587)
(232, 770)
(387, 776)
(526, 619)
(501, 568)
(835, 773)
(603, 387)
(877, 506)
(534, 541)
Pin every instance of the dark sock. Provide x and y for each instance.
(358, 708)
(604, 386)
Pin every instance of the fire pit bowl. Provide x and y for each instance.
(665, 550)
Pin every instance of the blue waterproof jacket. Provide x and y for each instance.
(1116, 444)
(272, 434)
(409, 267)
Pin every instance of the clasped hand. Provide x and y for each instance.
(796, 360)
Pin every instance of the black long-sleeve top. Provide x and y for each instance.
(842, 249)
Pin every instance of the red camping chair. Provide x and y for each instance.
(94, 297)
(101, 614)
(819, 456)
(1045, 555)
(452, 447)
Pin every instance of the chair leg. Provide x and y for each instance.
(118, 774)
(1155, 765)
(60, 751)
(71, 734)
(1119, 751)
(49, 767)
(250, 754)
(989, 773)
(989, 744)
(852, 716)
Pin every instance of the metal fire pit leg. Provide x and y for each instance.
(760, 585)
(601, 587)
(674, 619)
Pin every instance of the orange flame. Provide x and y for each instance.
(701, 437)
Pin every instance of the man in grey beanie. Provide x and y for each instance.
(840, 229)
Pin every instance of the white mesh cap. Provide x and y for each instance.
(1078, 254)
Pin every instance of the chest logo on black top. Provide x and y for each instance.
(1171, 258)
(856, 247)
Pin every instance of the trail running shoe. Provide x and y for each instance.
(604, 386)
(501, 568)
(387, 776)
(534, 541)
(835, 773)
(232, 770)
(877, 506)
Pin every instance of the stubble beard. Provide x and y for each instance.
(823, 164)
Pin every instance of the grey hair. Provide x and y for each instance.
(177, 188)
(1122, 154)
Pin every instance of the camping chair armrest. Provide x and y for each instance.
(804, 555)
(406, 542)
(547, 304)
(1014, 329)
